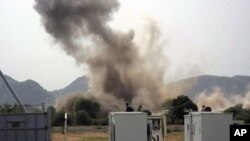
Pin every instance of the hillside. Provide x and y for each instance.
(77, 86)
(29, 92)
(191, 86)
(207, 83)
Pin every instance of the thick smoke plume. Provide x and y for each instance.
(119, 69)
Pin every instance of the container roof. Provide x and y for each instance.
(209, 113)
(126, 113)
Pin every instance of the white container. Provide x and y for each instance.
(128, 126)
(207, 126)
(159, 127)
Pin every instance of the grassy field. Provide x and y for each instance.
(103, 136)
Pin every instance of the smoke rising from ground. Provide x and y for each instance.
(244, 100)
(66, 103)
(219, 102)
(119, 69)
(215, 100)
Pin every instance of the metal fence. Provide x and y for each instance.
(25, 127)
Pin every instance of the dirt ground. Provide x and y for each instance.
(103, 136)
(175, 136)
(81, 136)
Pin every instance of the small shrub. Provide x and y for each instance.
(83, 118)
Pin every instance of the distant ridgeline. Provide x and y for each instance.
(29, 93)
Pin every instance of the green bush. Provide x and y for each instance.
(239, 113)
(83, 118)
(178, 107)
(59, 118)
(91, 107)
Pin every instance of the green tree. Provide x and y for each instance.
(53, 112)
(91, 107)
(7, 108)
(59, 119)
(245, 116)
(1, 109)
(239, 113)
(235, 110)
(83, 118)
(167, 104)
(17, 109)
(178, 107)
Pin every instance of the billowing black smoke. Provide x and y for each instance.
(118, 70)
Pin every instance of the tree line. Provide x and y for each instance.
(8, 108)
(181, 105)
(87, 112)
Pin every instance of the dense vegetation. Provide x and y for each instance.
(7, 108)
(239, 113)
(177, 108)
(181, 105)
(85, 112)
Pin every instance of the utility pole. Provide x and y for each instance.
(65, 126)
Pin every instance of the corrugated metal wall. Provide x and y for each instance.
(25, 127)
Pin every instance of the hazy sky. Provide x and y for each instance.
(202, 36)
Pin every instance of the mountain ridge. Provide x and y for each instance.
(238, 84)
(31, 92)
(80, 84)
